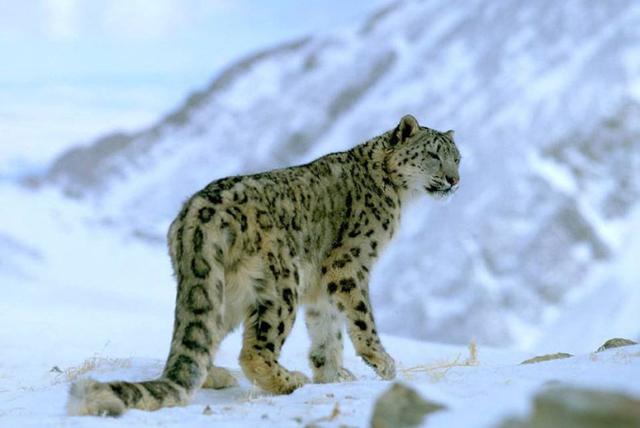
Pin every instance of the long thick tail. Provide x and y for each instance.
(89, 397)
(196, 333)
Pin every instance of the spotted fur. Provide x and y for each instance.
(252, 249)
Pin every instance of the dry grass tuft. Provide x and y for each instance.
(332, 417)
(438, 370)
(96, 362)
(473, 354)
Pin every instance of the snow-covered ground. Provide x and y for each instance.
(85, 299)
(33, 393)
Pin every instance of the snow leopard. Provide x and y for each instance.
(253, 249)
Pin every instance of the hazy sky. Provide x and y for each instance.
(66, 39)
(73, 69)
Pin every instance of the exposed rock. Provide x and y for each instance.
(571, 407)
(548, 357)
(615, 343)
(401, 406)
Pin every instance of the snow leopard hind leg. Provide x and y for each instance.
(269, 321)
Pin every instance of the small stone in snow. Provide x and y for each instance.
(616, 343)
(548, 357)
(572, 407)
(401, 407)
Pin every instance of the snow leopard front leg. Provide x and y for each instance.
(345, 275)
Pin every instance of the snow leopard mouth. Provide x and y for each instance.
(440, 193)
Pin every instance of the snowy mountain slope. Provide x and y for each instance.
(607, 187)
(515, 80)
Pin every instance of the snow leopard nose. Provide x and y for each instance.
(452, 179)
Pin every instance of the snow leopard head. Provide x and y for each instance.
(423, 159)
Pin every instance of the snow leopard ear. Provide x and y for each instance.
(407, 127)
(450, 133)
